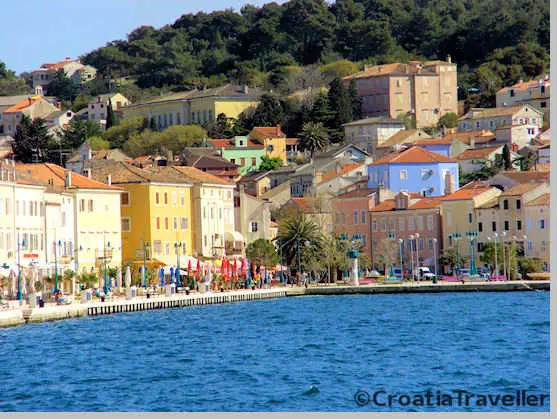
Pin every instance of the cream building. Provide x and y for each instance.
(195, 106)
(422, 90)
(516, 124)
(97, 109)
(538, 229)
(33, 107)
(534, 92)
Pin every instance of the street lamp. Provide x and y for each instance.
(435, 255)
(411, 242)
(146, 245)
(417, 236)
(178, 245)
(392, 237)
(456, 237)
(19, 244)
(342, 238)
(56, 244)
(401, 242)
(105, 270)
(472, 235)
(503, 234)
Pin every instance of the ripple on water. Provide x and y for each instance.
(305, 354)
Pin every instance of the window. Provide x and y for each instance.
(383, 226)
(362, 217)
(157, 198)
(374, 225)
(193, 117)
(343, 218)
(401, 224)
(204, 212)
(182, 199)
(530, 245)
(505, 204)
(253, 226)
(493, 226)
(403, 175)
(480, 227)
(167, 248)
(253, 161)
(175, 223)
(542, 246)
(174, 199)
(518, 204)
(125, 199)
(355, 217)
(81, 206)
(166, 198)
(242, 162)
(506, 225)
(184, 223)
(158, 223)
(91, 205)
(337, 218)
(166, 223)
(519, 225)
(233, 161)
(126, 224)
(212, 213)
(469, 218)
(541, 224)
(430, 244)
(411, 222)
(421, 244)
(430, 222)
(178, 118)
(543, 104)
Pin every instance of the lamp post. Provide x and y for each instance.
(435, 255)
(401, 244)
(105, 270)
(410, 241)
(177, 247)
(56, 245)
(472, 235)
(19, 244)
(393, 238)
(503, 234)
(146, 245)
(417, 236)
(456, 237)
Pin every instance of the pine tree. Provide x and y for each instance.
(109, 115)
(32, 141)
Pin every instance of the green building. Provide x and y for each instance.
(241, 151)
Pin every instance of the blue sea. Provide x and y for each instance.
(326, 353)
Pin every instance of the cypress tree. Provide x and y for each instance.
(507, 157)
(341, 109)
(355, 100)
(109, 115)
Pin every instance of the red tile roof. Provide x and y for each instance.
(427, 203)
(45, 172)
(524, 177)
(434, 141)
(523, 85)
(230, 144)
(521, 189)
(466, 193)
(414, 154)
(386, 205)
(18, 107)
(346, 169)
(270, 131)
(477, 153)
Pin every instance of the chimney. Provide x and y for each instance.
(379, 69)
(59, 106)
(449, 183)
(89, 153)
(68, 59)
(278, 129)
(109, 179)
(68, 178)
(449, 59)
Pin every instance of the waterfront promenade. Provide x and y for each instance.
(22, 315)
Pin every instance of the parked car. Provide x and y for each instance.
(398, 273)
(424, 274)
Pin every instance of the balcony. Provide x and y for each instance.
(103, 255)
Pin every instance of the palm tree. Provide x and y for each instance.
(314, 137)
(298, 234)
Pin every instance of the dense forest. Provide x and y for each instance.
(493, 42)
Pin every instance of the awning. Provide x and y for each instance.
(153, 263)
(233, 236)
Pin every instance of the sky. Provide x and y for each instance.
(34, 32)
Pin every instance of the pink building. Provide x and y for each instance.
(400, 218)
(351, 211)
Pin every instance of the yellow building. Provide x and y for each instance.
(196, 106)
(273, 140)
(460, 216)
(156, 212)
